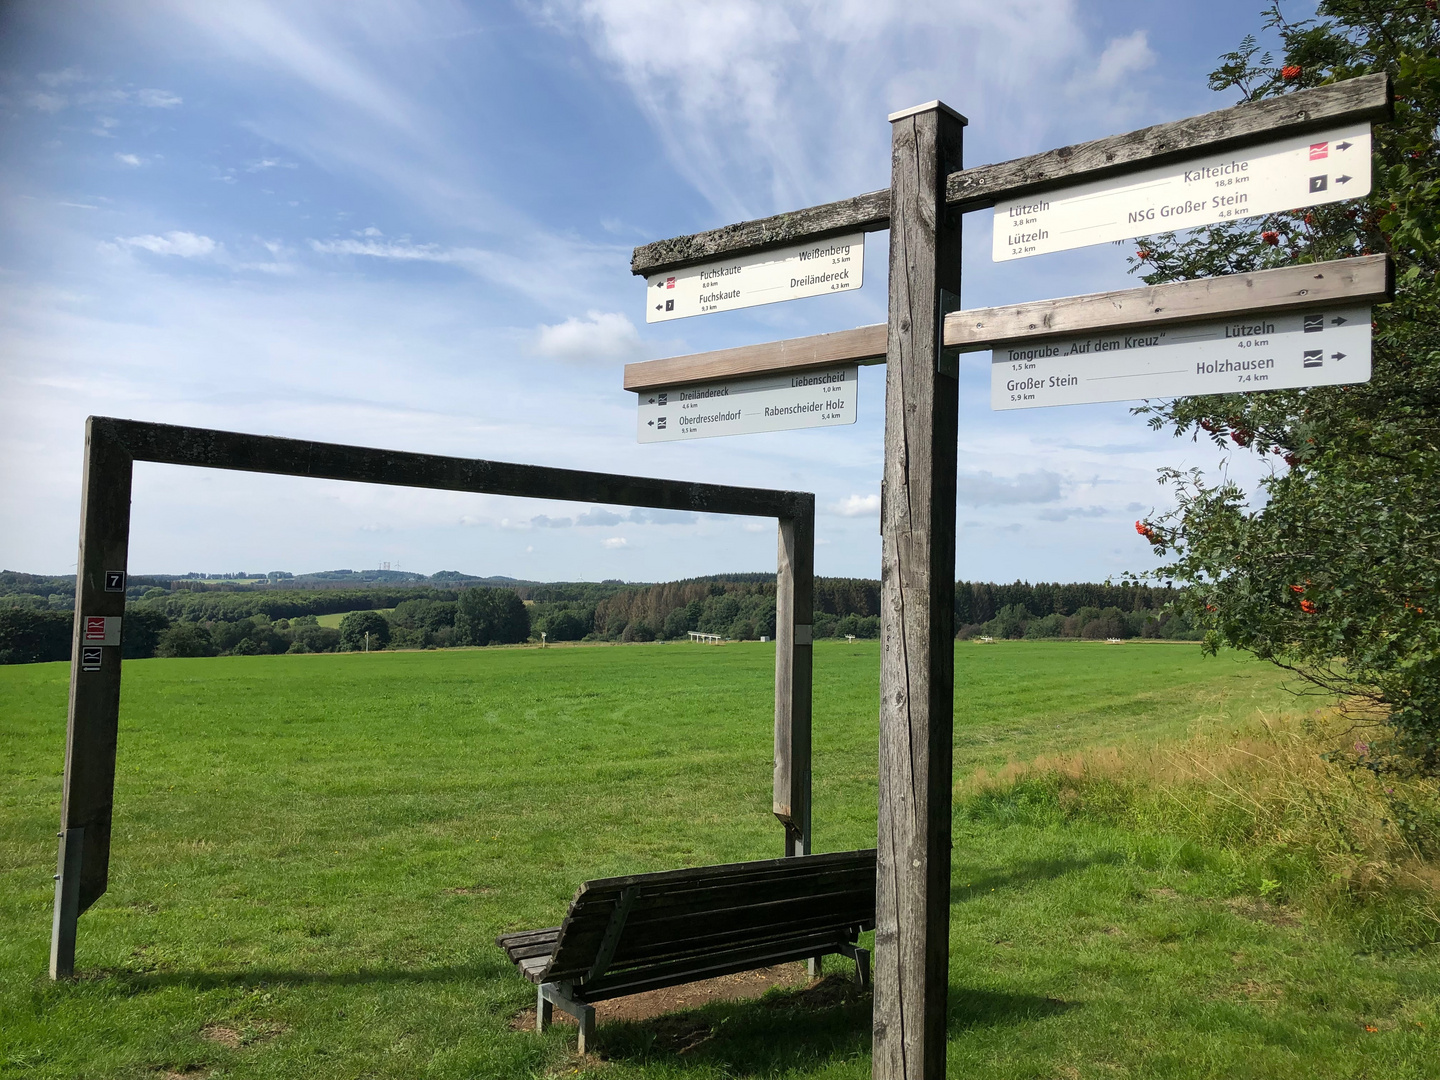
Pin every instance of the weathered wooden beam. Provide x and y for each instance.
(1354, 100)
(794, 662)
(865, 344)
(863, 213)
(91, 728)
(1365, 279)
(175, 445)
(917, 606)
(1367, 97)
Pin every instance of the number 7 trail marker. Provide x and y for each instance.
(1287, 150)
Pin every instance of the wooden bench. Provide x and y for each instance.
(626, 935)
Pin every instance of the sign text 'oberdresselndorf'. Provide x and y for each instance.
(825, 397)
(1321, 347)
(1304, 170)
(814, 269)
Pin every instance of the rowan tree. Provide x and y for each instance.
(1332, 567)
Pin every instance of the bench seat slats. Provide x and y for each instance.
(581, 942)
(522, 937)
(727, 963)
(699, 922)
(728, 872)
(651, 912)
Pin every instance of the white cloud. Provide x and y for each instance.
(128, 159)
(544, 521)
(615, 542)
(857, 506)
(604, 336)
(1123, 57)
(269, 163)
(53, 79)
(984, 489)
(156, 99)
(750, 103)
(186, 245)
(47, 103)
(604, 518)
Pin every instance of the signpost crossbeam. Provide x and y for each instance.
(1362, 99)
(1363, 280)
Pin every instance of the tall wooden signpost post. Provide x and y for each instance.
(917, 598)
(1261, 157)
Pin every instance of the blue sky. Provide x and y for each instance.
(409, 225)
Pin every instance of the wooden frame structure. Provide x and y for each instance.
(930, 191)
(113, 446)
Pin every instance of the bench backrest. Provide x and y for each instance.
(658, 929)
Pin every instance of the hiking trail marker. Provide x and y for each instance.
(1263, 352)
(1303, 170)
(816, 269)
(929, 193)
(823, 397)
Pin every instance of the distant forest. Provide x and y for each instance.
(191, 617)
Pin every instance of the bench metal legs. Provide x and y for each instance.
(559, 995)
(862, 963)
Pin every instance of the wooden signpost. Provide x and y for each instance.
(929, 192)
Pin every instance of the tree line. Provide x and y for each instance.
(181, 622)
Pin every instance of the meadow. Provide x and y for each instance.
(313, 853)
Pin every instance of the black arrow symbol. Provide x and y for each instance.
(1337, 356)
(1342, 179)
(1338, 320)
(659, 307)
(652, 423)
(1343, 146)
(651, 401)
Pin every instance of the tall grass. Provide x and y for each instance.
(1288, 810)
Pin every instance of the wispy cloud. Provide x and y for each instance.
(128, 159)
(186, 245)
(603, 336)
(857, 506)
(735, 90)
(985, 489)
(615, 542)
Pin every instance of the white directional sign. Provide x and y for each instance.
(814, 269)
(1263, 352)
(1305, 170)
(806, 399)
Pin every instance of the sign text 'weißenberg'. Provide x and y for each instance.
(1263, 352)
(824, 397)
(814, 269)
(1304, 170)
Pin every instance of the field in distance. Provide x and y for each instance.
(313, 854)
(334, 619)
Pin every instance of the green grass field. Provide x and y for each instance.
(333, 619)
(313, 853)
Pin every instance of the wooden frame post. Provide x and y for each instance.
(92, 725)
(794, 618)
(113, 446)
(917, 602)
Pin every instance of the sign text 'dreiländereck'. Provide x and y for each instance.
(824, 397)
(814, 269)
(1305, 170)
(1267, 352)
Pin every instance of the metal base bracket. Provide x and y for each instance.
(67, 904)
(862, 963)
(552, 996)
